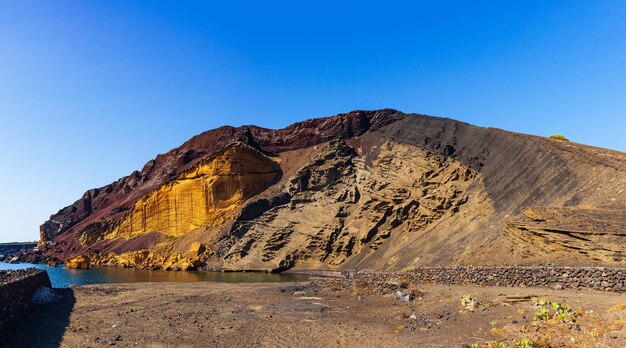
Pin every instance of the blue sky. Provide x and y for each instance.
(91, 90)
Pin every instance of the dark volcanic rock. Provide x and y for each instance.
(16, 290)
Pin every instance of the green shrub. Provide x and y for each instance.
(523, 343)
(542, 314)
(498, 344)
(537, 301)
(559, 137)
(469, 302)
(564, 312)
(408, 269)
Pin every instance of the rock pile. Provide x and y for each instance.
(17, 288)
(595, 278)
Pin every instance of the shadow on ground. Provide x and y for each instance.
(40, 325)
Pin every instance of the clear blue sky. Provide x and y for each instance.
(91, 90)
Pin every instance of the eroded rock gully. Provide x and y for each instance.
(341, 206)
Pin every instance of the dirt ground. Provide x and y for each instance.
(306, 315)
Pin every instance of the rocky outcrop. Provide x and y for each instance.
(78, 262)
(571, 232)
(16, 290)
(346, 205)
(369, 189)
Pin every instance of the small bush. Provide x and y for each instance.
(498, 344)
(559, 137)
(404, 283)
(469, 302)
(468, 250)
(542, 314)
(408, 269)
(523, 343)
(401, 283)
(564, 312)
(618, 307)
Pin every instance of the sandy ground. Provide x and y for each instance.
(281, 315)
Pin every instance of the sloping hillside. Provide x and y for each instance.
(368, 189)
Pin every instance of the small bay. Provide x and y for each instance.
(61, 277)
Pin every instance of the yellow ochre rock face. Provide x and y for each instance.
(164, 259)
(205, 195)
(79, 262)
(196, 248)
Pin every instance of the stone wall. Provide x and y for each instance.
(17, 288)
(595, 278)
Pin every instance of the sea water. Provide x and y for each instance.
(61, 277)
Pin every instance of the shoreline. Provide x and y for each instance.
(605, 279)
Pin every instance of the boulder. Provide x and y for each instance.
(78, 262)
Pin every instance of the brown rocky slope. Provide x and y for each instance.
(369, 189)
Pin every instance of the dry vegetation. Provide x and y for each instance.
(559, 137)
(557, 325)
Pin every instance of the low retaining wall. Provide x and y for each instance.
(596, 278)
(17, 288)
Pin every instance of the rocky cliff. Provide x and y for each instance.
(367, 189)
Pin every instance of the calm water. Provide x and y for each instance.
(62, 278)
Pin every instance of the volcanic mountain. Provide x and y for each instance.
(378, 190)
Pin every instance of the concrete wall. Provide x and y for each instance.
(17, 288)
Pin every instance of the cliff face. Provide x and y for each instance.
(345, 206)
(204, 195)
(368, 189)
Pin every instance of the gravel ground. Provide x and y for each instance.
(306, 314)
